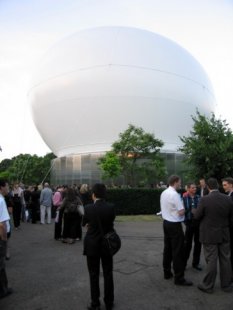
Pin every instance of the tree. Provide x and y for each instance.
(209, 148)
(110, 165)
(5, 164)
(139, 155)
(26, 168)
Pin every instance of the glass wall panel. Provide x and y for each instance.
(83, 168)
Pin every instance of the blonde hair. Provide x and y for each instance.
(84, 188)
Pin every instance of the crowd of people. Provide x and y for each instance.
(67, 205)
(35, 204)
(206, 213)
(208, 217)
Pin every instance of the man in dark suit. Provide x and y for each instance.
(215, 213)
(190, 201)
(99, 218)
(202, 189)
(227, 184)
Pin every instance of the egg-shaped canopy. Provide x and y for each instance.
(91, 85)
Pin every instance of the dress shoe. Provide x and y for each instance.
(205, 290)
(197, 267)
(168, 275)
(109, 307)
(184, 282)
(7, 293)
(91, 307)
(227, 289)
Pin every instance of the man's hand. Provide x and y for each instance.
(193, 211)
(181, 212)
(3, 233)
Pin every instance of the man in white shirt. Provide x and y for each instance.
(173, 215)
(4, 229)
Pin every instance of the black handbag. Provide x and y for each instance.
(111, 241)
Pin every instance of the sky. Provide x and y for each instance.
(28, 28)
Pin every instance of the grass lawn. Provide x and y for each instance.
(138, 218)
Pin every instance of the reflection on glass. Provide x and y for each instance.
(83, 168)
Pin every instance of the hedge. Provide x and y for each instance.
(135, 201)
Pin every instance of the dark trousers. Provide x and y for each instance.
(231, 246)
(78, 226)
(93, 264)
(3, 276)
(17, 214)
(213, 253)
(34, 210)
(192, 233)
(58, 226)
(173, 249)
(70, 224)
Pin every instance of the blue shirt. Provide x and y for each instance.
(189, 204)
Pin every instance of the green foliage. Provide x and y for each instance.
(110, 165)
(135, 201)
(4, 175)
(134, 142)
(25, 168)
(5, 164)
(209, 148)
(138, 155)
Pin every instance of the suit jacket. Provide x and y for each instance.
(106, 214)
(215, 211)
(231, 195)
(205, 191)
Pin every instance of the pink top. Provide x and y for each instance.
(57, 199)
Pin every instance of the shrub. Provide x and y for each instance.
(135, 201)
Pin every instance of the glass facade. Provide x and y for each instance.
(83, 168)
(76, 169)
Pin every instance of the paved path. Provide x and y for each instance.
(49, 275)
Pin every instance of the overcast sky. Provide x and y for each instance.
(28, 28)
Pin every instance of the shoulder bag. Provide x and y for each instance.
(111, 241)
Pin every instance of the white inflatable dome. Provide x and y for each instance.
(91, 85)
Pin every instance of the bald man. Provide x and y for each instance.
(46, 197)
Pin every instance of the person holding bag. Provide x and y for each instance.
(96, 214)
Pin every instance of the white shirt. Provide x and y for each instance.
(171, 203)
(4, 215)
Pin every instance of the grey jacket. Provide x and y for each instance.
(46, 196)
(215, 211)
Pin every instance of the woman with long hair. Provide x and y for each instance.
(70, 216)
